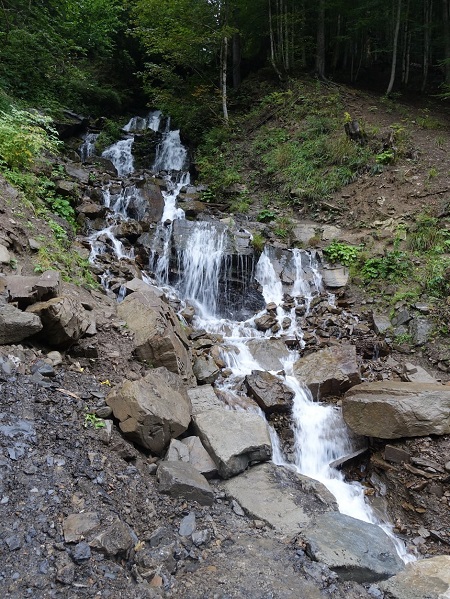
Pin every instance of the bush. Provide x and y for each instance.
(342, 252)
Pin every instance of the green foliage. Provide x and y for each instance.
(24, 137)
(342, 252)
(385, 157)
(266, 216)
(258, 242)
(110, 133)
(93, 421)
(215, 165)
(437, 277)
(394, 266)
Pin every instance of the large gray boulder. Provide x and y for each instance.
(391, 409)
(428, 578)
(354, 549)
(152, 410)
(203, 399)
(16, 325)
(179, 479)
(64, 320)
(269, 392)
(329, 371)
(269, 353)
(280, 497)
(191, 451)
(233, 439)
(159, 339)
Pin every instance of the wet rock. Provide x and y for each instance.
(205, 370)
(117, 539)
(428, 578)
(76, 526)
(179, 479)
(269, 392)
(280, 497)
(64, 320)
(390, 409)
(355, 550)
(203, 399)
(265, 322)
(330, 371)
(159, 338)
(153, 409)
(269, 353)
(16, 325)
(232, 453)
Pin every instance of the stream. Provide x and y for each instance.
(320, 434)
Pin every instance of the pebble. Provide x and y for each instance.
(43, 368)
(187, 525)
(237, 508)
(81, 552)
(201, 537)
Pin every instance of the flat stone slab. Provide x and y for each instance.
(203, 399)
(355, 550)
(287, 501)
(428, 578)
(179, 479)
(392, 409)
(233, 439)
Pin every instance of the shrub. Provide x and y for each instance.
(342, 252)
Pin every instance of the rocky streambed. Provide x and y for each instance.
(126, 473)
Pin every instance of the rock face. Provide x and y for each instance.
(64, 320)
(16, 325)
(269, 392)
(152, 410)
(233, 439)
(203, 399)
(179, 479)
(159, 338)
(355, 550)
(282, 498)
(425, 578)
(390, 409)
(330, 371)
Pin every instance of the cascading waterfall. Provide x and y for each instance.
(87, 148)
(121, 156)
(320, 433)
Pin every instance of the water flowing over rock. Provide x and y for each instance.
(152, 410)
(159, 338)
(287, 501)
(330, 371)
(391, 410)
(355, 550)
(248, 442)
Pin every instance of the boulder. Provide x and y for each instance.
(420, 330)
(425, 578)
(27, 290)
(116, 540)
(159, 339)
(391, 409)
(269, 392)
(265, 322)
(191, 451)
(330, 371)
(5, 256)
(205, 370)
(280, 497)
(64, 320)
(269, 353)
(354, 549)
(152, 410)
(179, 479)
(233, 439)
(381, 323)
(335, 276)
(416, 374)
(16, 325)
(203, 399)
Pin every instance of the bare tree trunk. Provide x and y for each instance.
(337, 44)
(273, 59)
(406, 47)
(395, 47)
(320, 52)
(224, 58)
(427, 16)
(446, 24)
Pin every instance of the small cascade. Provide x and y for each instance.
(138, 124)
(171, 155)
(87, 148)
(121, 156)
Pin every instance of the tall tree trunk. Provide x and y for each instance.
(236, 45)
(273, 58)
(395, 47)
(337, 44)
(427, 17)
(320, 53)
(446, 26)
(224, 58)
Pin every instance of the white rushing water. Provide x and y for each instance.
(121, 156)
(87, 148)
(320, 433)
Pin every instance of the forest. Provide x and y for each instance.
(189, 57)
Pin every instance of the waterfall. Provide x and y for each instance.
(138, 124)
(87, 148)
(121, 156)
(171, 155)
